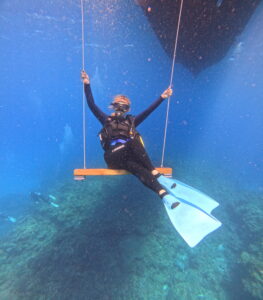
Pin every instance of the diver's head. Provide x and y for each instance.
(120, 104)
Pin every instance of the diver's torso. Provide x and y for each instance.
(117, 128)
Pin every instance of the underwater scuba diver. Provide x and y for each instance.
(37, 197)
(7, 218)
(123, 144)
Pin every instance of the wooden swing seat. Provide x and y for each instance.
(80, 174)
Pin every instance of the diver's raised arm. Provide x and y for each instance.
(98, 113)
(143, 115)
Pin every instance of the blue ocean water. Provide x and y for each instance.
(109, 238)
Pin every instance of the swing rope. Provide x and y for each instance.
(83, 92)
(171, 81)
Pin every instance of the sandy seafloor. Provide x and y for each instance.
(111, 239)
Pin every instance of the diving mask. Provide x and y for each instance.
(120, 107)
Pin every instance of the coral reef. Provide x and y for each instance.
(109, 242)
(251, 259)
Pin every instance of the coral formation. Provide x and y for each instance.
(105, 243)
(251, 260)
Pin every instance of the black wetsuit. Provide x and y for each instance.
(130, 156)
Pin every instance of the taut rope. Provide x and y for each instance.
(83, 93)
(171, 80)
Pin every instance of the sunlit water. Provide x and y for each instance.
(110, 238)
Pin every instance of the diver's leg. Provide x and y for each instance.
(141, 156)
(145, 176)
(115, 157)
(139, 153)
(122, 158)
